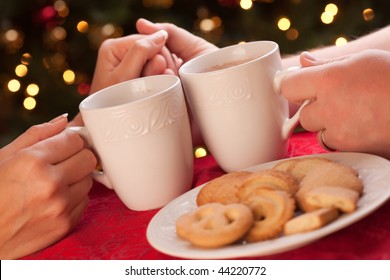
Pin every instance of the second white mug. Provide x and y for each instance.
(234, 97)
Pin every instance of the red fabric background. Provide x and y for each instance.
(109, 230)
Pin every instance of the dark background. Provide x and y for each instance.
(35, 22)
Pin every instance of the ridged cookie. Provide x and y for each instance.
(222, 189)
(271, 210)
(270, 178)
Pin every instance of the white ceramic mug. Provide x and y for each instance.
(234, 95)
(141, 133)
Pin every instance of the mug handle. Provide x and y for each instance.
(97, 175)
(292, 122)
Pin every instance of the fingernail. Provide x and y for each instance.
(146, 20)
(160, 36)
(59, 118)
(308, 56)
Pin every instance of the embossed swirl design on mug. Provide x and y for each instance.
(125, 124)
(229, 92)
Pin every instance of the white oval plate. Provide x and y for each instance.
(374, 172)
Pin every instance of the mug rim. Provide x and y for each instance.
(97, 95)
(184, 68)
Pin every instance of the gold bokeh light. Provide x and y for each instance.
(200, 152)
(368, 14)
(246, 4)
(332, 9)
(21, 70)
(284, 24)
(32, 89)
(29, 103)
(59, 33)
(207, 25)
(82, 26)
(14, 85)
(69, 77)
(26, 59)
(327, 17)
(11, 35)
(61, 8)
(108, 29)
(341, 41)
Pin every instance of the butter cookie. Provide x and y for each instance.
(222, 189)
(270, 178)
(311, 221)
(271, 210)
(214, 225)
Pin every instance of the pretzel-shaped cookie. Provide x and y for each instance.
(214, 225)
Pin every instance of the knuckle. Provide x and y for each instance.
(73, 138)
(33, 160)
(64, 225)
(106, 45)
(170, 27)
(41, 172)
(88, 183)
(50, 187)
(89, 159)
(141, 45)
(34, 132)
(59, 207)
(67, 221)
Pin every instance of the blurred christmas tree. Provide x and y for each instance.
(48, 48)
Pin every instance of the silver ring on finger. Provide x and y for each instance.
(321, 140)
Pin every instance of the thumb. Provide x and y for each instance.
(137, 56)
(307, 59)
(145, 26)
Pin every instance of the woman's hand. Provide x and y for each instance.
(350, 100)
(45, 180)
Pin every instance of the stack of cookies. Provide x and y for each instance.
(295, 196)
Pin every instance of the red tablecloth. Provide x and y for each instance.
(109, 230)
